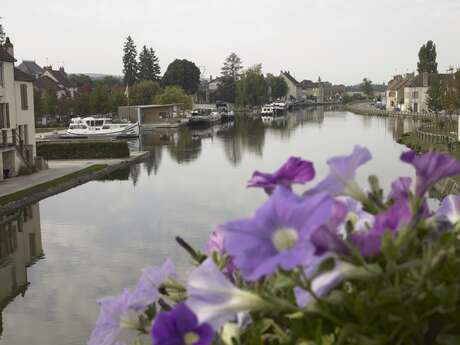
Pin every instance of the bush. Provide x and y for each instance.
(83, 150)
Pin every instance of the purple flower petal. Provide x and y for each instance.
(295, 170)
(400, 189)
(179, 326)
(430, 168)
(278, 234)
(449, 209)
(342, 171)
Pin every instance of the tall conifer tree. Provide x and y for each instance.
(130, 65)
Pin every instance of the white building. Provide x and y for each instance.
(416, 91)
(17, 125)
(294, 87)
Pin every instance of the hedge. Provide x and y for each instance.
(83, 150)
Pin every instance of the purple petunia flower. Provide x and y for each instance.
(323, 284)
(146, 290)
(214, 299)
(449, 209)
(369, 242)
(295, 170)
(342, 172)
(180, 326)
(216, 244)
(400, 189)
(430, 168)
(115, 314)
(277, 236)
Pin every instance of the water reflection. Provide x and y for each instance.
(20, 247)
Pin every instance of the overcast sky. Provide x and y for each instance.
(340, 40)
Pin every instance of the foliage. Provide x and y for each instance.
(130, 64)
(2, 34)
(174, 95)
(435, 96)
(427, 58)
(252, 88)
(366, 87)
(232, 67)
(83, 150)
(278, 85)
(143, 92)
(149, 68)
(337, 264)
(182, 73)
(81, 80)
(226, 91)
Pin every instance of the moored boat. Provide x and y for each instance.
(101, 127)
(203, 120)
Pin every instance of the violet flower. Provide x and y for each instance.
(323, 284)
(400, 189)
(360, 219)
(430, 168)
(214, 299)
(146, 290)
(277, 236)
(342, 171)
(115, 315)
(370, 242)
(449, 209)
(295, 170)
(180, 326)
(216, 244)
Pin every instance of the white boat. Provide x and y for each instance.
(101, 127)
(267, 110)
(198, 119)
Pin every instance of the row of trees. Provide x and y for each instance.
(247, 87)
(444, 93)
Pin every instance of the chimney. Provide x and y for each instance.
(425, 76)
(61, 69)
(9, 46)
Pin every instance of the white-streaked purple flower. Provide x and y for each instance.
(146, 290)
(342, 171)
(449, 209)
(214, 299)
(370, 242)
(180, 326)
(430, 168)
(360, 219)
(216, 241)
(115, 314)
(323, 284)
(400, 189)
(295, 170)
(278, 234)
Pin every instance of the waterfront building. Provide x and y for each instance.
(152, 114)
(416, 91)
(395, 91)
(322, 91)
(294, 87)
(17, 125)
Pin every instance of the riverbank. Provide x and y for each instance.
(61, 176)
(365, 108)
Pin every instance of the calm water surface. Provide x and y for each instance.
(73, 248)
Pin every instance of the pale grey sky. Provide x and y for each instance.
(339, 40)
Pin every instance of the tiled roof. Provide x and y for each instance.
(46, 83)
(291, 79)
(21, 76)
(5, 56)
(431, 78)
(30, 67)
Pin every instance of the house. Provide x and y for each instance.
(60, 77)
(395, 91)
(31, 67)
(294, 87)
(153, 114)
(17, 140)
(416, 91)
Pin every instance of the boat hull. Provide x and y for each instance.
(129, 131)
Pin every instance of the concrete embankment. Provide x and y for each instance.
(62, 175)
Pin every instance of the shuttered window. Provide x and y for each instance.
(4, 115)
(24, 103)
(1, 74)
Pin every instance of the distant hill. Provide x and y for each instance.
(100, 76)
(375, 87)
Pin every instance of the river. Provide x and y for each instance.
(91, 241)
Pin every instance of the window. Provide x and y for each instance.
(415, 94)
(392, 93)
(1, 73)
(4, 115)
(24, 103)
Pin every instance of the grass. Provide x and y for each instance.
(50, 184)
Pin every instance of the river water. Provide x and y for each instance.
(91, 241)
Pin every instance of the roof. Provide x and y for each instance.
(291, 78)
(46, 83)
(60, 76)
(397, 84)
(5, 56)
(418, 81)
(31, 67)
(21, 76)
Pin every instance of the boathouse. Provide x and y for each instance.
(149, 114)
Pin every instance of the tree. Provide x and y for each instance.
(144, 92)
(81, 80)
(156, 65)
(366, 87)
(146, 68)
(174, 95)
(252, 88)
(182, 73)
(226, 91)
(427, 58)
(278, 87)
(2, 34)
(130, 66)
(232, 67)
(435, 96)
